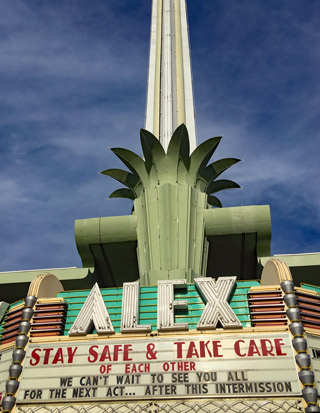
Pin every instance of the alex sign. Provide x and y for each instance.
(215, 294)
(206, 366)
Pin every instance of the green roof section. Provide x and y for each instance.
(102, 230)
(305, 268)
(15, 284)
(148, 305)
(297, 260)
(242, 220)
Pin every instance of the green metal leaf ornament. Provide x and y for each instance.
(179, 146)
(222, 184)
(176, 167)
(126, 178)
(200, 157)
(123, 193)
(151, 146)
(133, 162)
(153, 149)
(214, 201)
(216, 168)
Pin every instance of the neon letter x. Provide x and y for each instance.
(217, 307)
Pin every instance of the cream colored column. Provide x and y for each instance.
(179, 65)
(187, 77)
(166, 98)
(156, 109)
(155, 37)
(170, 94)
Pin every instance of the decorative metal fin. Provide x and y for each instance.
(3, 308)
(220, 185)
(133, 162)
(179, 146)
(215, 169)
(126, 178)
(123, 193)
(214, 201)
(152, 149)
(201, 155)
(176, 166)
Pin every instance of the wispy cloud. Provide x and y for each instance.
(73, 84)
(259, 87)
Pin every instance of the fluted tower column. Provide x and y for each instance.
(170, 92)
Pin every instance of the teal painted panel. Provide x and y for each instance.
(241, 311)
(151, 308)
(151, 288)
(238, 304)
(148, 304)
(240, 297)
(240, 291)
(311, 287)
(247, 284)
(191, 300)
(15, 304)
(244, 318)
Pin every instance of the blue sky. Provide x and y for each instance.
(73, 84)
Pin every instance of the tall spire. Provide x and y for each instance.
(170, 93)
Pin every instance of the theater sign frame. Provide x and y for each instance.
(144, 326)
(105, 362)
(160, 367)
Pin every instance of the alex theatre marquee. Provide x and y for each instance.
(193, 345)
(181, 347)
(167, 367)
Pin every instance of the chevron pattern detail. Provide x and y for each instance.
(192, 406)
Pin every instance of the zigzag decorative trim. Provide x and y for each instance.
(181, 406)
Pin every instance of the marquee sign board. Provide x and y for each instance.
(160, 367)
(215, 293)
(5, 363)
(314, 352)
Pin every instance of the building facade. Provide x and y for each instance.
(178, 306)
